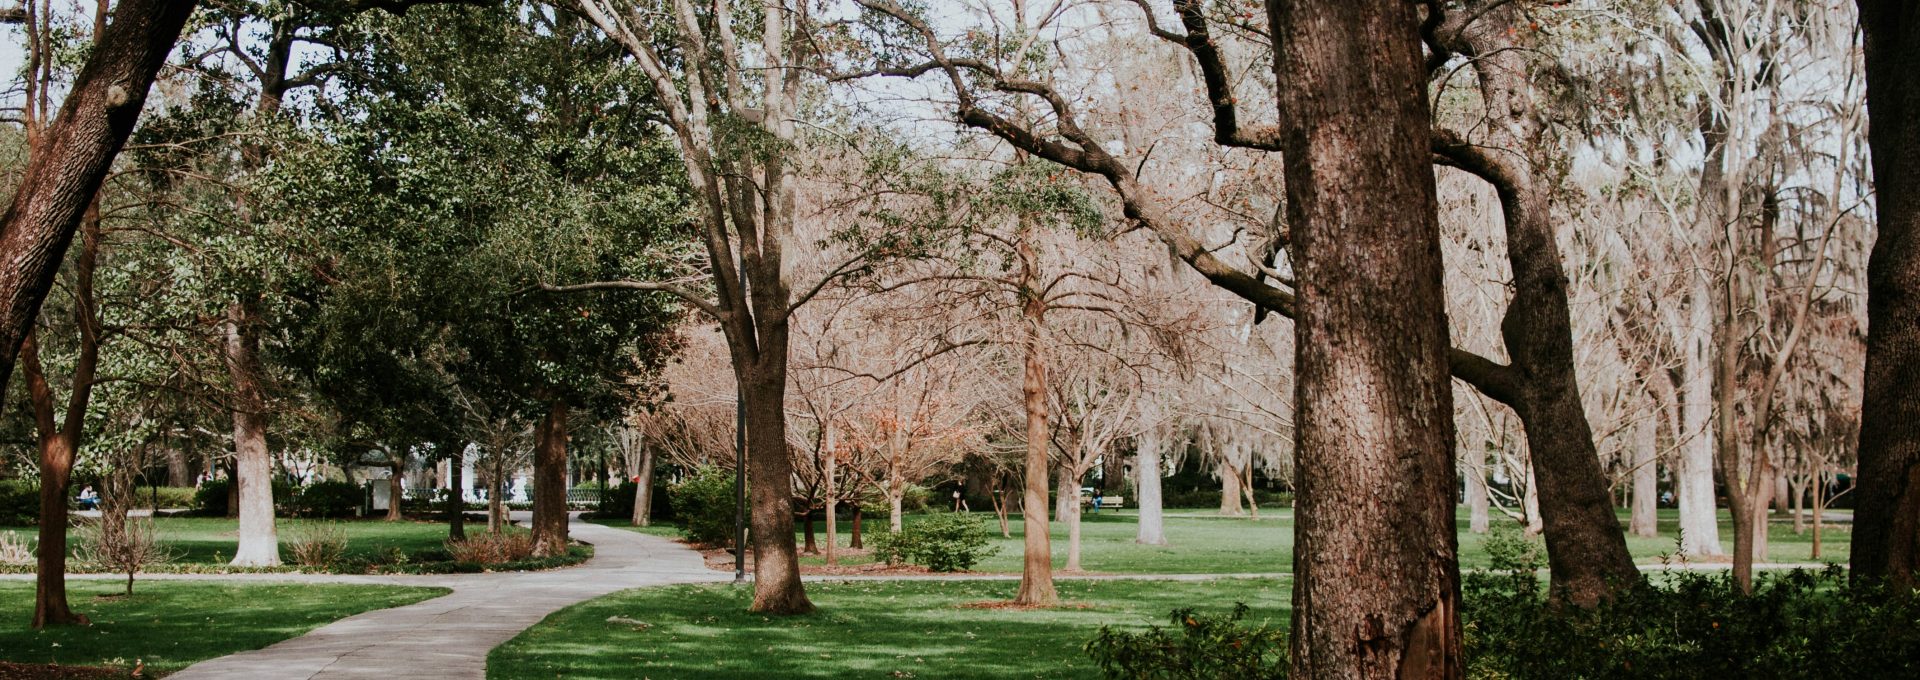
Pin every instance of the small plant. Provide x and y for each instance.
(1205, 647)
(944, 542)
(125, 546)
(19, 502)
(705, 504)
(510, 545)
(317, 544)
(15, 549)
(1510, 550)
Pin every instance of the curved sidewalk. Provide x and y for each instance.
(449, 636)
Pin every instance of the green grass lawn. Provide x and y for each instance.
(173, 624)
(1201, 542)
(205, 542)
(878, 629)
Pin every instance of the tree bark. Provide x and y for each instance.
(253, 465)
(178, 472)
(1146, 489)
(72, 155)
(1229, 486)
(1377, 583)
(1070, 489)
(1886, 519)
(1646, 481)
(1585, 548)
(550, 482)
(1036, 569)
(643, 488)
(60, 436)
(776, 562)
(855, 541)
(396, 487)
(456, 493)
(1479, 499)
(830, 481)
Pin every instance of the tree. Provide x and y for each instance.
(1886, 538)
(1375, 477)
(734, 139)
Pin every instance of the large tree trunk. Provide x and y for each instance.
(396, 488)
(1585, 548)
(179, 473)
(253, 466)
(1886, 518)
(1146, 489)
(456, 493)
(550, 482)
(71, 156)
(50, 583)
(776, 562)
(1036, 569)
(1377, 582)
(1646, 481)
(1693, 477)
(59, 438)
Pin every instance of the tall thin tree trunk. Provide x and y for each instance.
(1479, 500)
(253, 465)
(550, 482)
(643, 488)
(896, 494)
(1886, 517)
(457, 493)
(1070, 483)
(1645, 520)
(397, 488)
(1036, 570)
(1377, 582)
(50, 582)
(830, 475)
(855, 540)
(1146, 489)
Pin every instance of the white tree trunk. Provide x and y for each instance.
(1229, 488)
(1530, 504)
(1699, 520)
(259, 544)
(832, 464)
(1646, 481)
(896, 493)
(1474, 469)
(1146, 489)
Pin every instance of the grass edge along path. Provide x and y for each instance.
(869, 629)
(170, 625)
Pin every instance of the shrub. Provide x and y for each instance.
(704, 503)
(127, 548)
(1692, 625)
(211, 499)
(317, 544)
(19, 502)
(330, 499)
(163, 497)
(942, 542)
(15, 549)
(510, 545)
(1206, 647)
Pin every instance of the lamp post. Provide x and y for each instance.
(739, 487)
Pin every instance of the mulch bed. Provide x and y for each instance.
(48, 671)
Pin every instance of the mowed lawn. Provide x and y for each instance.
(209, 541)
(169, 625)
(872, 629)
(1202, 542)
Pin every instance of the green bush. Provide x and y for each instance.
(165, 497)
(617, 503)
(942, 542)
(211, 499)
(1692, 625)
(705, 505)
(19, 502)
(1206, 647)
(330, 499)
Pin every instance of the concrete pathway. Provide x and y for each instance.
(449, 637)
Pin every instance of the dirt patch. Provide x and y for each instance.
(48, 671)
(1005, 604)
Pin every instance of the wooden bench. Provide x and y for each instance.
(1106, 501)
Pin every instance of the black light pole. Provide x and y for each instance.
(739, 487)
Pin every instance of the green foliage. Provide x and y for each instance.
(1510, 550)
(331, 499)
(704, 503)
(1693, 625)
(211, 499)
(19, 502)
(1206, 647)
(944, 542)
